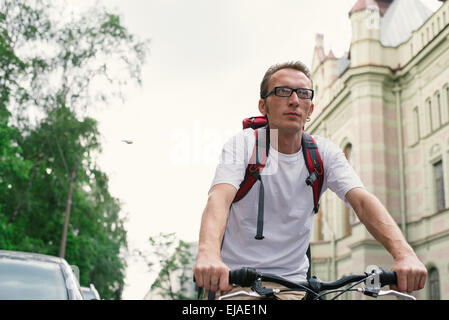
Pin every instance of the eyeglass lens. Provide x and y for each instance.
(287, 92)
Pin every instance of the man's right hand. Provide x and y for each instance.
(211, 273)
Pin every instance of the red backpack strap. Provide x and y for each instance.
(255, 165)
(252, 174)
(314, 165)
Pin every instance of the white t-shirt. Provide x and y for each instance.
(288, 205)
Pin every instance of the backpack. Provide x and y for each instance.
(257, 163)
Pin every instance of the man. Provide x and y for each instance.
(227, 229)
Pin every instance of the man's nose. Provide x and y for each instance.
(293, 100)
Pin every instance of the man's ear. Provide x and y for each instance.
(310, 110)
(262, 107)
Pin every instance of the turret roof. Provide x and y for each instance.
(402, 18)
(378, 5)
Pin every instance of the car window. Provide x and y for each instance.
(31, 280)
(88, 294)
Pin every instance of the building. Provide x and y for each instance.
(386, 104)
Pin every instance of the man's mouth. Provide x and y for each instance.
(292, 114)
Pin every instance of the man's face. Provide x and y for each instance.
(287, 113)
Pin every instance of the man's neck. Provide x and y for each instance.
(287, 142)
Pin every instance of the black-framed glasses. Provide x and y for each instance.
(284, 91)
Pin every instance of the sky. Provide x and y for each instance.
(201, 78)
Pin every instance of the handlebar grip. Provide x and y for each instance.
(243, 277)
(388, 278)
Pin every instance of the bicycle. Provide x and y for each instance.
(374, 278)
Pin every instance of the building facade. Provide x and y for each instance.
(386, 104)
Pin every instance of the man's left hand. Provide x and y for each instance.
(411, 273)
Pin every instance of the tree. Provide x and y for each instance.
(95, 234)
(175, 258)
(54, 65)
(76, 61)
(13, 170)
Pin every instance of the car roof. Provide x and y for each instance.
(29, 256)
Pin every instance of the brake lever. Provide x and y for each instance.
(239, 293)
(258, 291)
(373, 286)
(380, 293)
(396, 293)
(262, 291)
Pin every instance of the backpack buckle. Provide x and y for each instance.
(311, 179)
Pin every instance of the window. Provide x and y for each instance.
(349, 217)
(348, 153)
(439, 185)
(25, 279)
(417, 134)
(438, 105)
(320, 225)
(434, 284)
(447, 98)
(429, 114)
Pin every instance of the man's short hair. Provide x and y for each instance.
(296, 65)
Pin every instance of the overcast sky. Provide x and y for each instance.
(202, 76)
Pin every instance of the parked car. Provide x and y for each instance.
(90, 293)
(33, 276)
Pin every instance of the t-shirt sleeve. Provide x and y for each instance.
(339, 174)
(234, 159)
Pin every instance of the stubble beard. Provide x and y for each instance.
(286, 130)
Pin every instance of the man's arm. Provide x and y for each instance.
(209, 267)
(411, 272)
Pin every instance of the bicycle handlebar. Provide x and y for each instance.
(388, 278)
(245, 277)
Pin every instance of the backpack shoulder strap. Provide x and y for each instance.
(256, 163)
(252, 174)
(314, 164)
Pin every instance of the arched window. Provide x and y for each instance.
(348, 152)
(438, 121)
(429, 115)
(417, 133)
(434, 284)
(447, 98)
(348, 214)
(439, 185)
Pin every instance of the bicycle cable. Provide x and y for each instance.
(317, 295)
(302, 289)
(335, 291)
(299, 287)
(348, 289)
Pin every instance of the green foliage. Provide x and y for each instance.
(49, 71)
(77, 61)
(175, 258)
